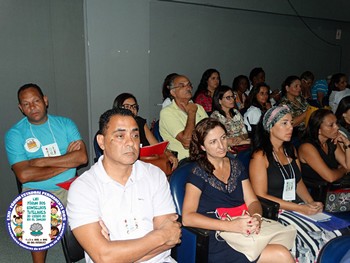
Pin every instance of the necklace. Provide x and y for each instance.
(283, 170)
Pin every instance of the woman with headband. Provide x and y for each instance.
(275, 174)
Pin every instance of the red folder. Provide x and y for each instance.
(156, 149)
(65, 185)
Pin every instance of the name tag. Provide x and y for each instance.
(51, 150)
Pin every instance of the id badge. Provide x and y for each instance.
(289, 190)
(51, 150)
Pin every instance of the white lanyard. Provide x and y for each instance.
(48, 122)
(289, 179)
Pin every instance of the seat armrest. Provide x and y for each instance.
(317, 189)
(194, 246)
(270, 208)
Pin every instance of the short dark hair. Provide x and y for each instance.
(106, 117)
(28, 86)
(255, 72)
(287, 82)
(307, 75)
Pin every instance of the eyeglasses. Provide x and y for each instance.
(229, 97)
(130, 106)
(182, 85)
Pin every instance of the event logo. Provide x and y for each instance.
(36, 220)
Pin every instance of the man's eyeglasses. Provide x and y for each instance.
(229, 97)
(131, 106)
(182, 85)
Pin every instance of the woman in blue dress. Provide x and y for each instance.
(218, 181)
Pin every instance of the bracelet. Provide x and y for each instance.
(258, 215)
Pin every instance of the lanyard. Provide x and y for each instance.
(283, 171)
(48, 122)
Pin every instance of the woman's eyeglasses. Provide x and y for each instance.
(229, 97)
(131, 106)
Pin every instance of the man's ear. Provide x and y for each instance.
(20, 108)
(101, 141)
(46, 101)
(172, 92)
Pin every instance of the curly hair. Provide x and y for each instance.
(198, 137)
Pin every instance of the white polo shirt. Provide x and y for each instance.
(127, 211)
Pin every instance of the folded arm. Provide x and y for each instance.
(40, 169)
(309, 154)
(100, 249)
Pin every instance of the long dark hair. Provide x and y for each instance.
(343, 106)
(261, 142)
(313, 127)
(218, 95)
(203, 84)
(198, 136)
(254, 92)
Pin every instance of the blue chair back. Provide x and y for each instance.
(335, 250)
(194, 245)
(244, 157)
(177, 184)
(156, 132)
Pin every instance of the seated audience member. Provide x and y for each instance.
(274, 172)
(131, 197)
(256, 76)
(307, 78)
(343, 116)
(209, 82)
(218, 181)
(43, 149)
(239, 86)
(338, 90)
(128, 101)
(259, 100)
(319, 92)
(223, 111)
(177, 121)
(166, 91)
(291, 96)
(324, 153)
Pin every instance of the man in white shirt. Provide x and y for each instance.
(131, 197)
